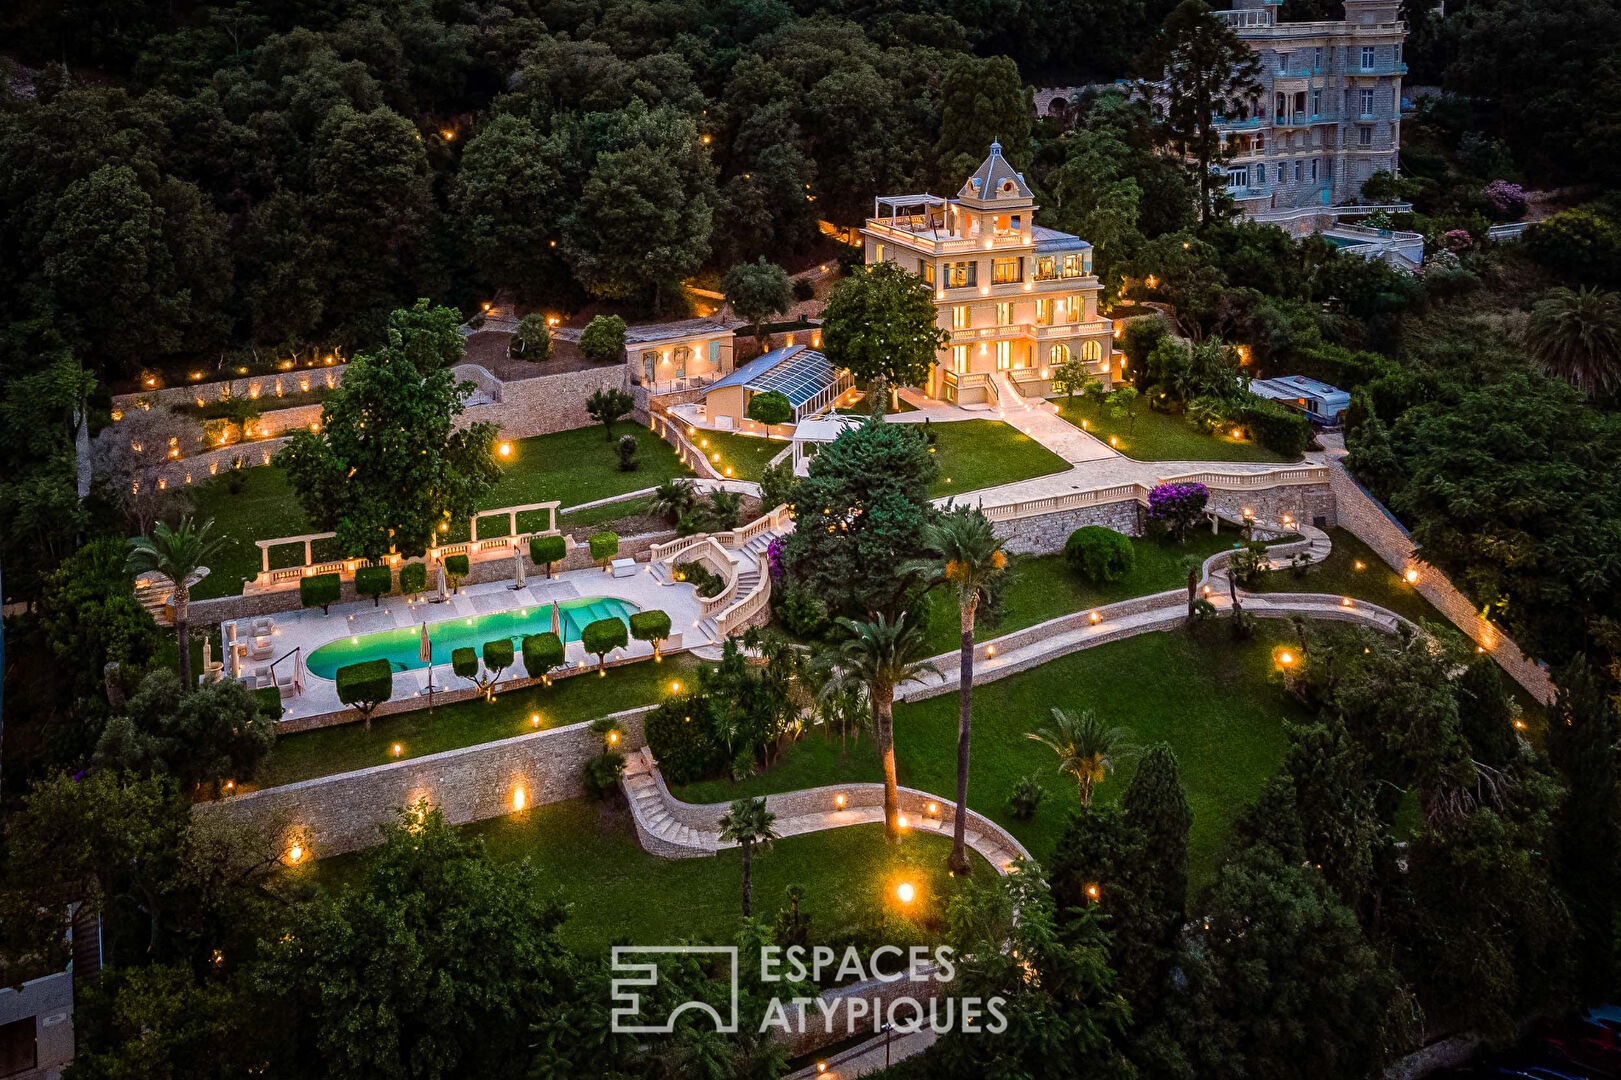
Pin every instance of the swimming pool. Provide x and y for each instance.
(401, 647)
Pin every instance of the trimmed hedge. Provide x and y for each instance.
(365, 685)
(375, 582)
(604, 546)
(413, 578)
(320, 590)
(1282, 431)
(1098, 554)
(464, 662)
(541, 653)
(498, 654)
(603, 637)
(547, 551)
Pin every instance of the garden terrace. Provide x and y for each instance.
(1217, 702)
(738, 457)
(570, 467)
(587, 855)
(1159, 436)
(976, 454)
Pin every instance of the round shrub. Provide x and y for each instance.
(604, 636)
(365, 685)
(456, 568)
(1100, 555)
(498, 654)
(603, 338)
(604, 546)
(541, 653)
(464, 662)
(770, 408)
(653, 626)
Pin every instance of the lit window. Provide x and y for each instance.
(1058, 355)
(1004, 355)
(1046, 267)
(1091, 351)
(959, 359)
(1044, 311)
(1006, 271)
(961, 274)
(1004, 314)
(960, 317)
(1075, 307)
(926, 268)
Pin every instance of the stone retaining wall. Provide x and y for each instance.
(262, 387)
(545, 403)
(1044, 534)
(1309, 504)
(334, 814)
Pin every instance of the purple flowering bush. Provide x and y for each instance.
(773, 558)
(1507, 198)
(1458, 240)
(1177, 508)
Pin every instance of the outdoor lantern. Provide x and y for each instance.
(906, 892)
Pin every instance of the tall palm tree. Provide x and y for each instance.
(1576, 335)
(966, 557)
(176, 554)
(883, 655)
(749, 825)
(1086, 747)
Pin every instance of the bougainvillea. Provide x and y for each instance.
(773, 558)
(1508, 198)
(1177, 507)
(1458, 240)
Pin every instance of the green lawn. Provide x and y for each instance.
(601, 515)
(975, 454)
(570, 466)
(1157, 436)
(567, 701)
(745, 455)
(1217, 702)
(1041, 587)
(587, 856)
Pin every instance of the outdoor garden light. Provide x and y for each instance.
(1084, 425)
(934, 808)
(675, 688)
(1288, 519)
(295, 853)
(1113, 441)
(518, 797)
(534, 719)
(486, 305)
(230, 785)
(505, 449)
(1345, 601)
(1359, 564)
(990, 650)
(706, 140)
(1238, 433)
(821, 1066)
(613, 737)
(1286, 658)
(704, 443)
(1411, 576)
(1519, 725)
(1207, 590)
(397, 750)
(906, 892)
(839, 801)
(1092, 890)
(901, 822)
(1095, 617)
(448, 135)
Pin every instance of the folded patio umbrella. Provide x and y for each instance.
(517, 568)
(444, 586)
(557, 621)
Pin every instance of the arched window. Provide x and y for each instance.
(1091, 351)
(1058, 355)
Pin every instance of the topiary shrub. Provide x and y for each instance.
(1098, 554)
(547, 551)
(653, 626)
(464, 662)
(541, 653)
(365, 686)
(680, 733)
(320, 590)
(602, 773)
(604, 546)
(497, 658)
(770, 408)
(602, 637)
(374, 581)
(456, 568)
(413, 578)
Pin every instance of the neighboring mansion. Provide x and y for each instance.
(1016, 298)
(1329, 115)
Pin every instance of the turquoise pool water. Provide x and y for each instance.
(402, 647)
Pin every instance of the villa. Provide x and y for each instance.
(1329, 113)
(666, 357)
(1017, 299)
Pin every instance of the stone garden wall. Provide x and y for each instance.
(543, 404)
(1044, 534)
(261, 387)
(334, 814)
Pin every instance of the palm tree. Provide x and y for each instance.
(672, 499)
(967, 557)
(883, 655)
(177, 554)
(1086, 749)
(748, 824)
(1576, 335)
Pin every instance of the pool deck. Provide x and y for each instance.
(308, 629)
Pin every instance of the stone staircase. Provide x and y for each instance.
(798, 812)
(154, 590)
